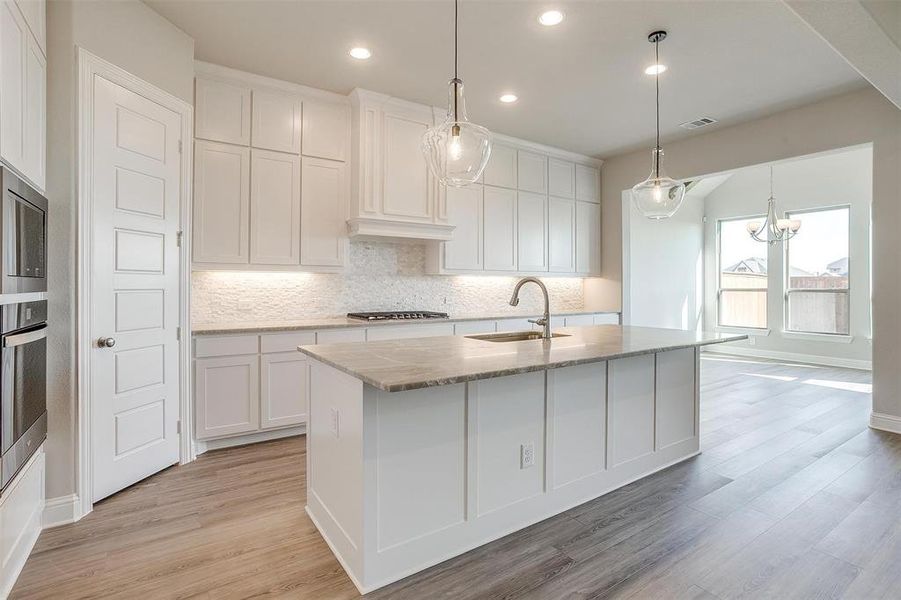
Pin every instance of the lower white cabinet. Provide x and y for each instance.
(284, 386)
(226, 395)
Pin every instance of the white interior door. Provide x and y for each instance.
(135, 287)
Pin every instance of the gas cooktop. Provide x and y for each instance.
(397, 315)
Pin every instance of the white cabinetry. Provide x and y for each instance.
(561, 234)
(226, 395)
(532, 172)
(561, 178)
(464, 210)
(274, 208)
(323, 213)
(393, 192)
(257, 203)
(221, 203)
(588, 238)
(532, 232)
(500, 229)
(501, 168)
(588, 184)
(284, 383)
(276, 122)
(23, 92)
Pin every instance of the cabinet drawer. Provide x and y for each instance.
(231, 345)
(286, 342)
(335, 336)
(409, 331)
(471, 327)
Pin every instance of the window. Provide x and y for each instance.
(742, 275)
(817, 291)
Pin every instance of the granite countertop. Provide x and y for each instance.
(409, 364)
(342, 322)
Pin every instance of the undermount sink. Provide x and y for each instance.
(513, 336)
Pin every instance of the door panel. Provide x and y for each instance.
(136, 188)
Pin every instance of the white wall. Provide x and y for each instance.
(831, 179)
(860, 117)
(132, 36)
(663, 267)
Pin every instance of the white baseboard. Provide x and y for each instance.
(811, 359)
(61, 511)
(202, 446)
(884, 422)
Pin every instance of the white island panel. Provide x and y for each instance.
(676, 397)
(578, 402)
(631, 409)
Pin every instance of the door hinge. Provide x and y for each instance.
(180, 149)
(178, 427)
(178, 235)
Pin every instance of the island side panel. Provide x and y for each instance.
(676, 392)
(334, 463)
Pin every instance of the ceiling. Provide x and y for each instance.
(581, 84)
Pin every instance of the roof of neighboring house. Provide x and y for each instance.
(757, 266)
(838, 267)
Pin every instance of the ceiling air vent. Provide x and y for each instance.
(698, 123)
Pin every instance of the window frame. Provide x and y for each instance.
(786, 279)
(719, 277)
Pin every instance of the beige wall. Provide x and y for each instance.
(132, 36)
(859, 117)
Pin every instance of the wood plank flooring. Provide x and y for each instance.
(793, 497)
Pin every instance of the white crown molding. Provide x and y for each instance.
(885, 422)
(207, 70)
(362, 226)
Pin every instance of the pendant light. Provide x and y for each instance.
(456, 150)
(773, 230)
(658, 196)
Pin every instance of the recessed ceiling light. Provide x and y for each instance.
(550, 18)
(509, 98)
(655, 69)
(360, 53)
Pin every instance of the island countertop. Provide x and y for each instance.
(409, 364)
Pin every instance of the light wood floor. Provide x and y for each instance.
(793, 497)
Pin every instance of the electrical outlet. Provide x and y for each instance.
(527, 455)
(334, 421)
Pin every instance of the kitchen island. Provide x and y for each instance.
(421, 449)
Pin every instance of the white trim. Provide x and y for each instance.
(206, 70)
(811, 359)
(818, 337)
(742, 330)
(61, 511)
(885, 422)
(250, 438)
(88, 67)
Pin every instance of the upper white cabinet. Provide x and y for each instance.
(274, 208)
(325, 130)
(501, 168)
(23, 91)
(531, 232)
(222, 111)
(500, 229)
(561, 234)
(271, 185)
(323, 212)
(588, 184)
(464, 211)
(276, 121)
(588, 238)
(221, 203)
(561, 176)
(393, 192)
(532, 172)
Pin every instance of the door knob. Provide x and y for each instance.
(106, 342)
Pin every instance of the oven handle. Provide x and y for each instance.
(18, 339)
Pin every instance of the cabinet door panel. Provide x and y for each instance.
(588, 238)
(222, 111)
(226, 395)
(406, 178)
(561, 176)
(274, 208)
(561, 231)
(221, 203)
(532, 172)
(13, 33)
(532, 232)
(325, 127)
(500, 229)
(588, 184)
(34, 144)
(284, 387)
(501, 168)
(276, 122)
(464, 208)
(323, 214)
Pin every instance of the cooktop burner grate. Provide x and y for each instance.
(397, 315)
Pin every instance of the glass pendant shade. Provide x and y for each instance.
(658, 196)
(456, 150)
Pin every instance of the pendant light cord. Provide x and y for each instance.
(657, 100)
(456, 79)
